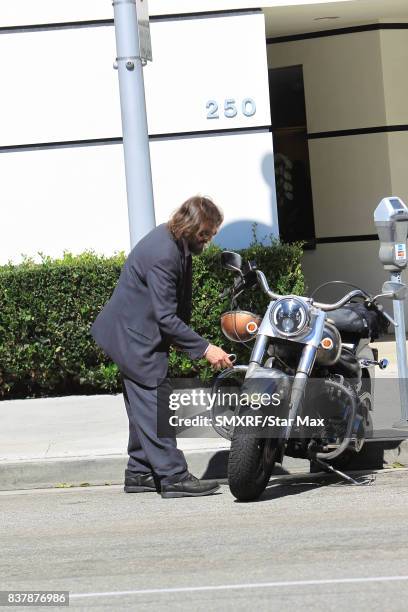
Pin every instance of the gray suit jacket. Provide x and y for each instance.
(150, 308)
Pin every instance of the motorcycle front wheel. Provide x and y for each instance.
(250, 464)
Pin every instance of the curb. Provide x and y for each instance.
(96, 470)
(109, 469)
(396, 453)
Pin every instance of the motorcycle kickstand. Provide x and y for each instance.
(366, 480)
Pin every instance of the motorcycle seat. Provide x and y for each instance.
(356, 321)
(351, 320)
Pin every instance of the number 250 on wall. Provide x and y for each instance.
(248, 108)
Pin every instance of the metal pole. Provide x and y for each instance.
(138, 172)
(400, 338)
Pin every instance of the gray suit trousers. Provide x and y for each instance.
(149, 454)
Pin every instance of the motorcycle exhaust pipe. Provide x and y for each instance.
(347, 438)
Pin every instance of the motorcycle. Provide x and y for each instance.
(316, 360)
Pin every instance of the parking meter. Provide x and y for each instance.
(391, 220)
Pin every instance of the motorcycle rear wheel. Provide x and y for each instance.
(250, 464)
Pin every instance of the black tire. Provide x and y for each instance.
(250, 464)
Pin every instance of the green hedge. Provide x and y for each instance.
(47, 308)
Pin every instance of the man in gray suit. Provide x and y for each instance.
(149, 310)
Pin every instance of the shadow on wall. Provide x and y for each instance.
(239, 234)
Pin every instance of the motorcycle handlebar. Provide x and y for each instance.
(341, 302)
(275, 296)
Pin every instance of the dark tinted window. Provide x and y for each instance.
(292, 169)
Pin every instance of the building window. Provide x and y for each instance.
(292, 169)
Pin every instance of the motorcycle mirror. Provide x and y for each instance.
(231, 261)
(395, 291)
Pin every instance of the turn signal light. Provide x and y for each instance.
(251, 327)
(327, 343)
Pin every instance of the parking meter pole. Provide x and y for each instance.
(400, 338)
(138, 172)
(391, 220)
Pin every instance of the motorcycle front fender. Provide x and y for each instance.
(270, 381)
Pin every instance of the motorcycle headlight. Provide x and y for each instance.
(289, 316)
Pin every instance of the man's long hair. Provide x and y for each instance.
(195, 211)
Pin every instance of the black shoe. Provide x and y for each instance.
(189, 487)
(139, 483)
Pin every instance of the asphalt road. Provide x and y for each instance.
(305, 545)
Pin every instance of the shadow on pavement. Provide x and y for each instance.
(281, 488)
(284, 489)
(218, 467)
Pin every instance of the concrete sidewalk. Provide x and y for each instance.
(387, 350)
(77, 440)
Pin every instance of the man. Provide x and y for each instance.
(149, 310)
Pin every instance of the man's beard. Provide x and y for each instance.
(196, 247)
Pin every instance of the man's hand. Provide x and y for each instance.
(217, 357)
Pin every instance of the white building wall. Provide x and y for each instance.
(237, 170)
(352, 82)
(350, 175)
(394, 59)
(59, 85)
(72, 93)
(63, 184)
(394, 55)
(29, 12)
(70, 198)
(342, 77)
(354, 262)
